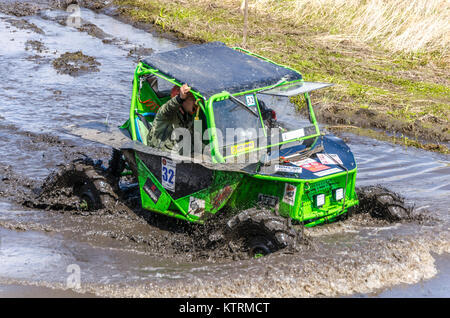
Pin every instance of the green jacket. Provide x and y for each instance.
(168, 118)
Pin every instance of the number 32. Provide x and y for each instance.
(167, 175)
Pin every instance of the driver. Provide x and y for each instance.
(176, 113)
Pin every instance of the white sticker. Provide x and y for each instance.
(250, 99)
(320, 199)
(289, 194)
(196, 206)
(168, 172)
(327, 172)
(293, 134)
(327, 159)
(304, 162)
(290, 169)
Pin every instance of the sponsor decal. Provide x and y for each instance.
(152, 190)
(315, 166)
(303, 162)
(327, 159)
(242, 147)
(327, 172)
(293, 134)
(268, 200)
(150, 105)
(196, 206)
(223, 195)
(289, 194)
(288, 169)
(311, 165)
(168, 173)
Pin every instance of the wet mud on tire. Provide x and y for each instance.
(382, 203)
(80, 185)
(263, 232)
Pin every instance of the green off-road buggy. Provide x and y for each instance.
(266, 176)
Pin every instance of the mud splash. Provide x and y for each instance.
(62, 192)
(211, 242)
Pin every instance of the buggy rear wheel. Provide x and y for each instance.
(260, 246)
(116, 163)
(262, 232)
(92, 187)
(87, 184)
(382, 203)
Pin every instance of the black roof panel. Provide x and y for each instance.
(213, 67)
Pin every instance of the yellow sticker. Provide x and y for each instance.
(242, 147)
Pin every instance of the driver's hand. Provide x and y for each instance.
(184, 90)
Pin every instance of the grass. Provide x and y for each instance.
(382, 78)
(400, 25)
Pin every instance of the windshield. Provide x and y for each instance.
(241, 123)
(291, 113)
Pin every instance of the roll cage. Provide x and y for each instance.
(146, 107)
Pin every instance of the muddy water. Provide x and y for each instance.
(130, 253)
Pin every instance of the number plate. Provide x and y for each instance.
(250, 100)
(168, 172)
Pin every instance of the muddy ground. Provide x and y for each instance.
(126, 251)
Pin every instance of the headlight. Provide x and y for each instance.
(338, 194)
(319, 200)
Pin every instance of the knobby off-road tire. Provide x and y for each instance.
(262, 231)
(88, 182)
(116, 164)
(382, 203)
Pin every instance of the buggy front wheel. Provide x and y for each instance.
(262, 232)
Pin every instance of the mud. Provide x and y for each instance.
(366, 118)
(138, 53)
(93, 30)
(75, 63)
(24, 25)
(19, 9)
(212, 241)
(124, 251)
(35, 45)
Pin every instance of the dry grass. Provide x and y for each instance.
(399, 25)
